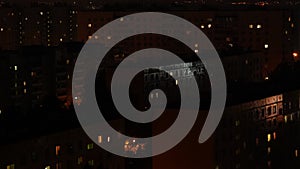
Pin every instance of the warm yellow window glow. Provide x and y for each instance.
(99, 139)
(202, 26)
(79, 160)
(47, 167)
(16, 68)
(269, 137)
(24, 83)
(209, 26)
(285, 119)
(196, 50)
(89, 25)
(251, 26)
(296, 153)
(108, 139)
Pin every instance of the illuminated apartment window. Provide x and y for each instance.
(296, 153)
(11, 166)
(251, 26)
(91, 162)
(89, 25)
(258, 26)
(57, 150)
(285, 119)
(1, 29)
(90, 146)
(99, 139)
(24, 83)
(269, 137)
(108, 139)
(196, 50)
(89, 37)
(16, 68)
(266, 46)
(269, 150)
(202, 26)
(67, 61)
(48, 167)
(25, 91)
(79, 160)
(209, 26)
(41, 13)
(274, 135)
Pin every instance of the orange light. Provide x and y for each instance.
(295, 54)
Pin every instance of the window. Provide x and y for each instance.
(258, 26)
(296, 153)
(89, 25)
(57, 150)
(48, 167)
(269, 111)
(274, 109)
(99, 139)
(90, 146)
(91, 162)
(251, 26)
(11, 166)
(269, 137)
(79, 160)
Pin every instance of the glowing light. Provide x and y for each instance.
(16, 68)
(274, 135)
(47, 167)
(99, 139)
(209, 26)
(258, 26)
(285, 119)
(251, 26)
(202, 26)
(196, 50)
(41, 13)
(122, 19)
(108, 139)
(295, 54)
(267, 78)
(61, 39)
(296, 153)
(57, 150)
(269, 137)
(266, 46)
(89, 25)
(1, 29)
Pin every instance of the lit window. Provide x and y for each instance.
(289, 19)
(91, 162)
(269, 150)
(292, 25)
(258, 26)
(122, 19)
(24, 83)
(108, 37)
(11, 166)
(48, 167)
(67, 61)
(1, 29)
(202, 26)
(41, 13)
(296, 153)
(90, 146)
(96, 37)
(61, 39)
(89, 37)
(266, 46)
(295, 54)
(25, 91)
(0, 111)
(108, 139)
(89, 25)
(57, 150)
(267, 78)
(251, 26)
(196, 50)
(209, 25)
(16, 68)
(274, 135)
(285, 119)
(176, 82)
(269, 137)
(99, 139)
(79, 160)
(196, 45)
